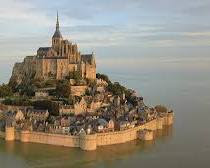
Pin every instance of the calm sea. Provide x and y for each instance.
(186, 144)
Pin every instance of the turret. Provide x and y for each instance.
(93, 62)
(9, 132)
(57, 38)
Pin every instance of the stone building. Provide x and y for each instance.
(55, 62)
(16, 115)
(38, 115)
(77, 108)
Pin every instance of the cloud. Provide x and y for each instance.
(198, 8)
(198, 34)
(12, 10)
(94, 24)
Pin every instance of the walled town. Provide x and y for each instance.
(56, 97)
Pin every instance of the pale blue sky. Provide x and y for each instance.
(121, 32)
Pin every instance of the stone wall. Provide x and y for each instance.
(51, 139)
(39, 69)
(146, 135)
(90, 71)
(10, 133)
(73, 67)
(78, 90)
(62, 68)
(44, 68)
(87, 142)
(49, 67)
(124, 136)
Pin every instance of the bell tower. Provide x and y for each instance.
(57, 38)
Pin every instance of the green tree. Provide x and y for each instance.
(116, 88)
(161, 109)
(14, 85)
(28, 90)
(8, 101)
(63, 89)
(91, 82)
(5, 90)
(74, 75)
(103, 76)
(52, 107)
(77, 75)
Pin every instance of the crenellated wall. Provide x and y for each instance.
(90, 142)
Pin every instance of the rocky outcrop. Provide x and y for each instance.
(23, 72)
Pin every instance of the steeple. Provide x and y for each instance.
(57, 33)
(57, 23)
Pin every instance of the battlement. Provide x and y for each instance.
(91, 142)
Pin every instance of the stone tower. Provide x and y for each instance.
(57, 39)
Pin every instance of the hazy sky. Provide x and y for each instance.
(132, 32)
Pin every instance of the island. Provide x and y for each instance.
(56, 97)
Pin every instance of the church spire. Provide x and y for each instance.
(57, 33)
(57, 23)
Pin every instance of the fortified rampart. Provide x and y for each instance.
(90, 142)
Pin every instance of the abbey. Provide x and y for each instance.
(55, 62)
(63, 57)
(55, 97)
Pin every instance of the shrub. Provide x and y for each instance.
(19, 101)
(5, 90)
(103, 77)
(52, 107)
(74, 75)
(63, 88)
(91, 83)
(116, 88)
(50, 83)
(161, 109)
(28, 90)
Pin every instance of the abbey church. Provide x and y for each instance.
(57, 61)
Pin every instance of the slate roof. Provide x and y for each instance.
(44, 49)
(102, 121)
(57, 34)
(87, 58)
